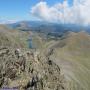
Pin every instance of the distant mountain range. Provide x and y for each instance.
(41, 26)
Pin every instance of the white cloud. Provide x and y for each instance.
(7, 21)
(79, 13)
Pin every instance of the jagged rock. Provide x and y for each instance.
(28, 72)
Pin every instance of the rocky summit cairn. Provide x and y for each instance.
(27, 70)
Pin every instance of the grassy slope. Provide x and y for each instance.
(12, 38)
(74, 58)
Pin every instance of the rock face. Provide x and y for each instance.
(26, 70)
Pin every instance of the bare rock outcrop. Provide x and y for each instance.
(26, 70)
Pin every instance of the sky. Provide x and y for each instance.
(20, 9)
(16, 9)
(59, 11)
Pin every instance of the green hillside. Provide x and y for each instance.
(74, 59)
(13, 38)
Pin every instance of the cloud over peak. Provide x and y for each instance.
(79, 13)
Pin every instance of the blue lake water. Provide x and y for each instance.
(30, 43)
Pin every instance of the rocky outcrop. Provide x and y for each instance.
(26, 70)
